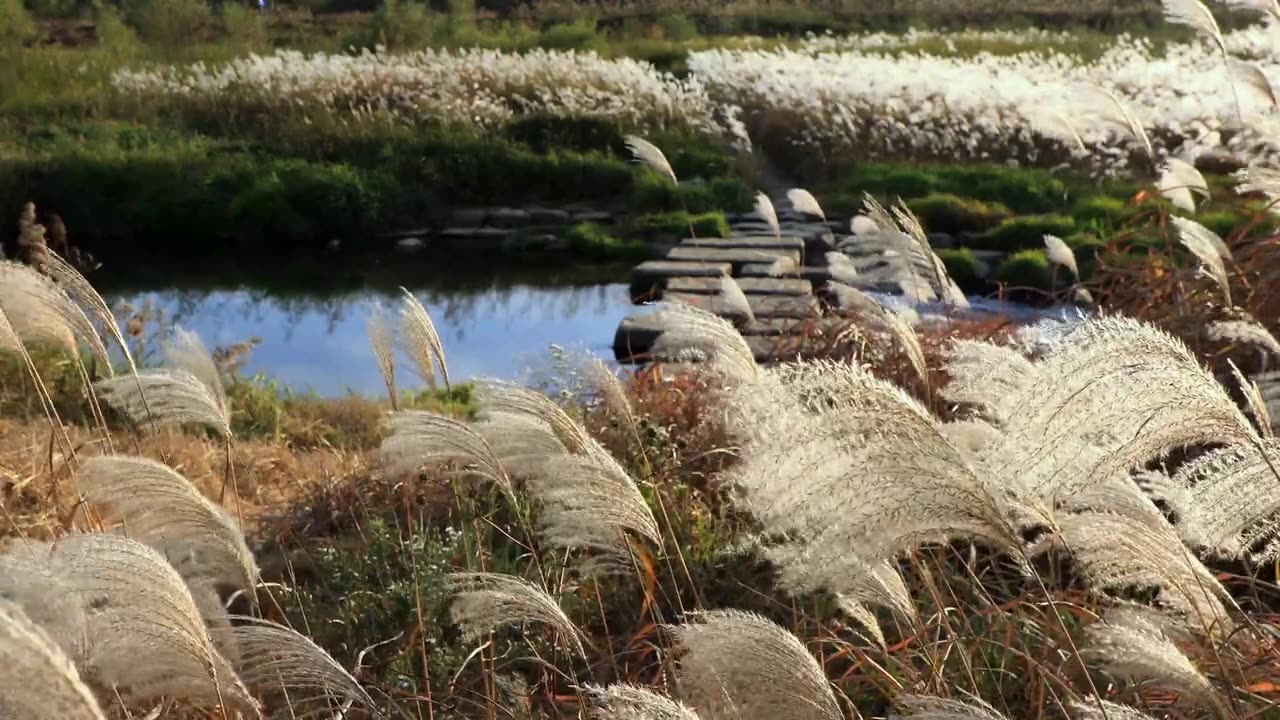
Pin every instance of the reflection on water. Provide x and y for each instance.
(319, 342)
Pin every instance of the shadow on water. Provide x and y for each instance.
(497, 319)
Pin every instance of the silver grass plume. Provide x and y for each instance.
(486, 602)
(1116, 551)
(764, 208)
(621, 701)
(516, 440)
(686, 329)
(851, 298)
(1231, 509)
(734, 299)
(39, 311)
(646, 153)
(611, 390)
(863, 225)
(278, 660)
(1178, 180)
(1269, 8)
(420, 341)
(1195, 15)
(37, 680)
(1244, 332)
(1096, 708)
(1112, 111)
(1254, 179)
(1056, 125)
(1113, 393)
(188, 391)
(382, 342)
(930, 707)
(971, 438)
(144, 634)
(82, 292)
(922, 252)
(804, 201)
(739, 665)
(1133, 644)
(1208, 248)
(1254, 399)
(986, 376)
(784, 266)
(161, 508)
(419, 438)
(497, 396)
(1060, 253)
(842, 267)
(1256, 81)
(899, 327)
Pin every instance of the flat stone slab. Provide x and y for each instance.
(811, 273)
(784, 306)
(737, 257)
(650, 277)
(749, 285)
(748, 242)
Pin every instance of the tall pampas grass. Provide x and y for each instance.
(1178, 180)
(1195, 15)
(419, 340)
(144, 634)
(1254, 399)
(37, 680)
(740, 665)
(986, 376)
(804, 201)
(188, 391)
(621, 701)
(1060, 254)
(1252, 77)
(486, 602)
(1231, 508)
(734, 299)
(505, 397)
(417, 438)
(1134, 644)
(764, 208)
(1209, 249)
(1244, 332)
(1098, 709)
(688, 332)
(1108, 108)
(929, 707)
(41, 312)
(648, 154)
(79, 290)
(161, 508)
(382, 341)
(279, 661)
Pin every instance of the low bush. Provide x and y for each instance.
(594, 242)
(243, 28)
(401, 24)
(945, 212)
(1024, 232)
(16, 25)
(543, 133)
(1101, 212)
(1021, 190)
(1028, 274)
(963, 267)
(677, 225)
(169, 22)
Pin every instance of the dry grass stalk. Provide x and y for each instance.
(518, 440)
(1133, 644)
(159, 398)
(1244, 332)
(986, 376)
(1209, 249)
(1060, 254)
(804, 201)
(278, 661)
(486, 602)
(1110, 110)
(1099, 709)
(163, 509)
(1231, 508)
(79, 290)
(630, 702)
(144, 635)
(689, 333)
(764, 208)
(646, 153)
(611, 390)
(928, 707)
(37, 680)
(419, 340)
(734, 299)
(1178, 180)
(382, 343)
(40, 312)
(739, 665)
(419, 438)
(1256, 402)
(1195, 15)
(504, 397)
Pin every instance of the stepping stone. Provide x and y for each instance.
(737, 257)
(813, 274)
(784, 306)
(713, 304)
(749, 285)
(650, 277)
(749, 242)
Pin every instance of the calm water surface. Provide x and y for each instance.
(319, 342)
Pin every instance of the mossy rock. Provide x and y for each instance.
(1021, 190)
(1101, 212)
(1028, 275)
(677, 225)
(655, 193)
(949, 213)
(593, 241)
(1024, 232)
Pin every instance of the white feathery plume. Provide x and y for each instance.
(1112, 111)
(690, 332)
(144, 635)
(842, 268)
(784, 266)
(646, 153)
(971, 438)
(734, 299)
(930, 707)
(163, 509)
(986, 376)
(1054, 124)
(77, 287)
(804, 201)
(739, 665)
(764, 208)
(1243, 332)
(382, 342)
(922, 253)
(851, 298)
(1113, 393)
(498, 396)
(1178, 180)
(1133, 644)
(41, 312)
(1230, 508)
(877, 214)
(1256, 81)
(420, 341)
(518, 439)
(485, 602)
(1096, 708)
(159, 398)
(419, 438)
(863, 225)
(38, 680)
(1195, 15)
(1208, 249)
(621, 701)
(1254, 179)
(1256, 402)
(1270, 8)
(278, 660)
(1060, 253)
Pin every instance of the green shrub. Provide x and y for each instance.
(16, 25)
(400, 24)
(945, 212)
(544, 133)
(656, 193)
(111, 30)
(1086, 247)
(678, 27)
(577, 35)
(1102, 213)
(243, 27)
(1029, 269)
(592, 241)
(963, 267)
(677, 225)
(54, 8)
(1023, 232)
(1021, 190)
(171, 22)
